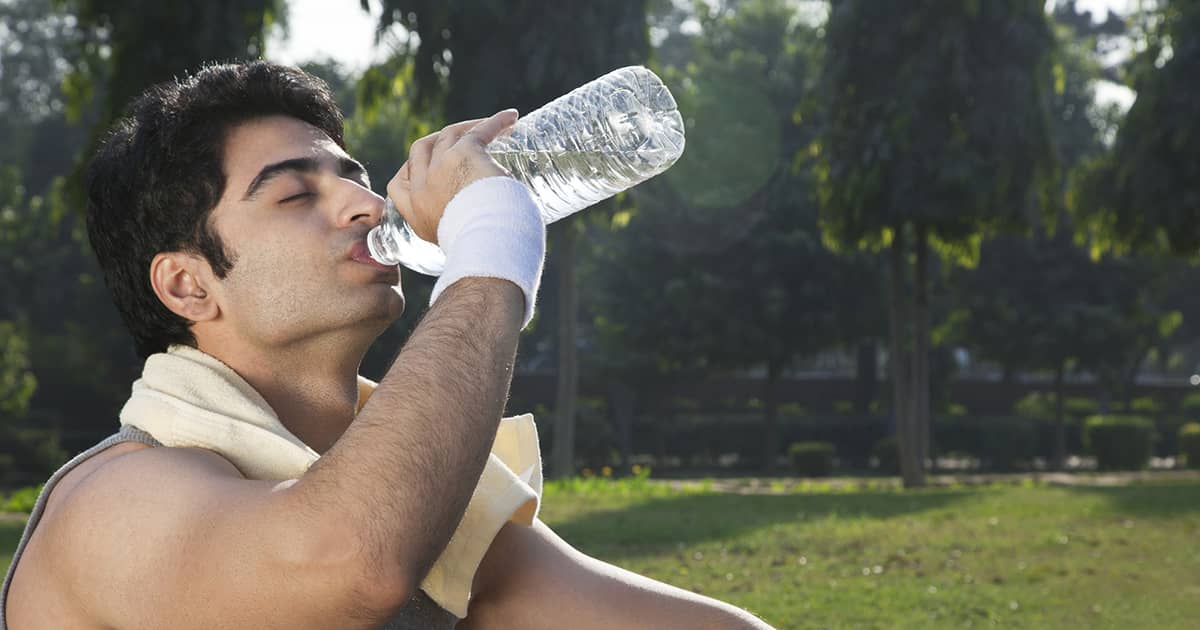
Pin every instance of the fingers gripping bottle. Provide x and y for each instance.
(582, 148)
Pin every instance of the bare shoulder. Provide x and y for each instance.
(178, 538)
(38, 597)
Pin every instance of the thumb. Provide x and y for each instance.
(489, 129)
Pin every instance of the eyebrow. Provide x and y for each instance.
(347, 167)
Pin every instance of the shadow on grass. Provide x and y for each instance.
(667, 521)
(1157, 499)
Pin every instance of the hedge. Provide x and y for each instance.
(1119, 442)
(812, 459)
(1189, 443)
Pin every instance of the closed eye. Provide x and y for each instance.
(296, 197)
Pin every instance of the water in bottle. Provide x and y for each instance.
(582, 148)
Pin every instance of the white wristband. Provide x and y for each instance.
(493, 229)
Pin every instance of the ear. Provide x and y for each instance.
(182, 282)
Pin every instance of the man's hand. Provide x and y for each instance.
(443, 163)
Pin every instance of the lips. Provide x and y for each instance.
(359, 253)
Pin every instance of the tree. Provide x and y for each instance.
(1044, 289)
(1145, 193)
(81, 61)
(718, 264)
(65, 334)
(1043, 304)
(937, 131)
(149, 42)
(523, 54)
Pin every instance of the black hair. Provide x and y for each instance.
(153, 182)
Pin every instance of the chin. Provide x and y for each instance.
(389, 307)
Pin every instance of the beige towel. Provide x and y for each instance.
(187, 398)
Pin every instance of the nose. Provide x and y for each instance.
(358, 204)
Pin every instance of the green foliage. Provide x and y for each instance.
(1040, 405)
(1007, 441)
(32, 451)
(679, 281)
(812, 459)
(379, 134)
(478, 57)
(52, 292)
(1145, 406)
(1002, 443)
(1142, 194)
(966, 82)
(887, 452)
(1189, 443)
(591, 484)
(1119, 442)
(1069, 311)
(1080, 407)
(147, 42)
(1190, 405)
(1035, 405)
(22, 499)
(17, 382)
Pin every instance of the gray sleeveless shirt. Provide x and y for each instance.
(421, 611)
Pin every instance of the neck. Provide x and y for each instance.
(316, 400)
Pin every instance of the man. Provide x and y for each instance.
(230, 224)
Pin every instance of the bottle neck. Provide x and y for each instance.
(382, 239)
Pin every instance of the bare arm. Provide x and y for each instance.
(531, 578)
(405, 469)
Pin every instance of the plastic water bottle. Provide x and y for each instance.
(582, 148)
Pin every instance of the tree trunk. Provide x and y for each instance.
(1060, 427)
(900, 367)
(563, 462)
(771, 417)
(866, 377)
(921, 418)
(621, 403)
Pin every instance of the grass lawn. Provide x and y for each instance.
(816, 556)
(1012, 556)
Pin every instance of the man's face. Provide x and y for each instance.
(294, 216)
